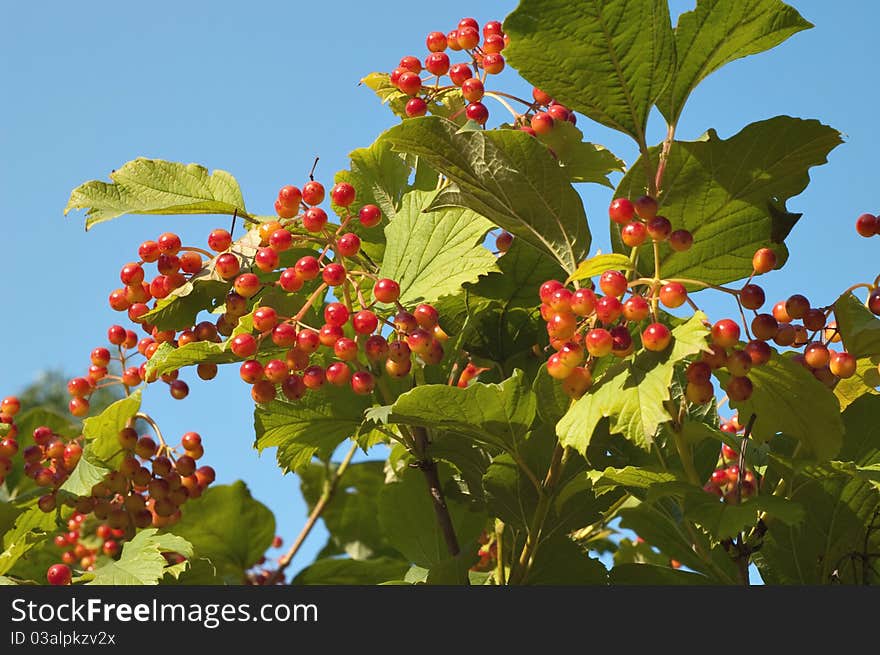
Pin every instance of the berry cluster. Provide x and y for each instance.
(86, 540)
(541, 113)
(639, 220)
(261, 574)
(727, 481)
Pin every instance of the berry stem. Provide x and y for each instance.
(512, 97)
(705, 285)
(146, 418)
(664, 156)
(493, 94)
(209, 255)
(530, 548)
(325, 498)
(499, 550)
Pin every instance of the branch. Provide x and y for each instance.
(429, 467)
(317, 511)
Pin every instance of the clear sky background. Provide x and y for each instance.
(261, 88)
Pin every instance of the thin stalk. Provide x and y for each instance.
(317, 511)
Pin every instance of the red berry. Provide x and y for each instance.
(797, 306)
(416, 107)
(290, 281)
(307, 268)
(468, 37)
(842, 364)
(476, 111)
(547, 289)
(558, 112)
(411, 64)
(459, 73)
(583, 302)
(613, 283)
(673, 295)
(492, 27)
(227, 266)
(725, 333)
(333, 274)
(386, 291)
(659, 228)
(608, 309)
(493, 63)
(633, 234)
(338, 374)
(376, 348)
(764, 261)
(308, 341)
(472, 89)
(558, 368)
(873, 304)
(219, 240)
(370, 215)
(752, 296)
(313, 192)
(243, 345)
(348, 244)
(681, 240)
(646, 207)
(437, 63)
(280, 240)
(265, 319)
(867, 225)
(543, 99)
(636, 308)
(314, 219)
(365, 322)
(266, 259)
(562, 325)
(336, 313)
(131, 273)
(59, 575)
(247, 285)
(342, 194)
(149, 251)
(739, 389)
(493, 43)
(169, 243)
(410, 84)
(656, 337)
(345, 349)
(436, 42)
(560, 300)
(759, 352)
(599, 342)
(284, 335)
(362, 383)
(503, 241)
(328, 335)
(426, 316)
(542, 123)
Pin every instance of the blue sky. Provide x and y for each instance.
(261, 88)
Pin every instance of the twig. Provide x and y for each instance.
(317, 511)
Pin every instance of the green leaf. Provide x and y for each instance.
(102, 431)
(634, 478)
(559, 561)
(553, 402)
(718, 32)
(454, 570)
(731, 195)
(787, 398)
(350, 517)
(652, 574)
(581, 160)
(632, 392)
(228, 527)
(154, 186)
(608, 59)
(431, 254)
(31, 529)
(180, 309)
(496, 414)
(88, 472)
(352, 572)
(859, 328)
(862, 442)
(315, 424)
(142, 562)
(599, 264)
(445, 103)
(381, 177)
(726, 520)
(659, 523)
(506, 176)
(407, 518)
(865, 381)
